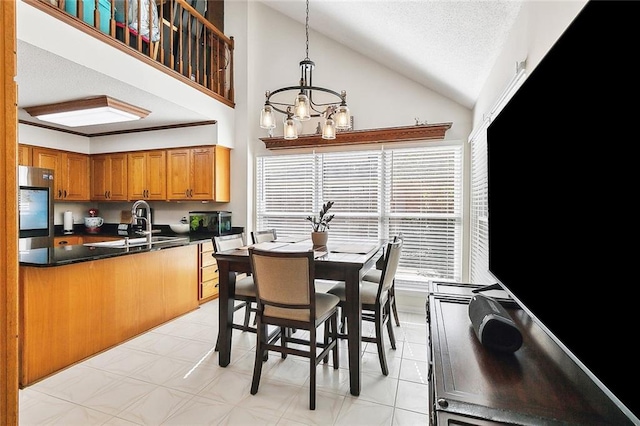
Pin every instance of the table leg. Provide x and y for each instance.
(354, 329)
(225, 315)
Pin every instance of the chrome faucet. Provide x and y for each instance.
(147, 220)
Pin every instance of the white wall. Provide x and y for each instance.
(48, 33)
(537, 28)
(275, 44)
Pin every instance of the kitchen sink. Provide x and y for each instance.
(136, 242)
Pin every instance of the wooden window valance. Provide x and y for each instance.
(390, 134)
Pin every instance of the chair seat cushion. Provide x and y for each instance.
(373, 275)
(368, 292)
(246, 287)
(324, 303)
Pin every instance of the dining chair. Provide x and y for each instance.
(245, 287)
(375, 302)
(263, 236)
(287, 299)
(374, 275)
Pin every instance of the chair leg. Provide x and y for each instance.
(392, 295)
(257, 366)
(392, 336)
(247, 313)
(312, 369)
(327, 331)
(380, 341)
(284, 334)
(334, 338)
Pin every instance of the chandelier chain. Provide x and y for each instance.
(333, 107)
(306, 28)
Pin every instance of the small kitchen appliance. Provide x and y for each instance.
(210, 222)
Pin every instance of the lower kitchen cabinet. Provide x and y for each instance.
(67, 240)
(207, 273)
(73, 311)
(70, 240)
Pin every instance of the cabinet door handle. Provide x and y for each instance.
(109, 192)
(191, 193)
(65, 193)
(186, 193)
(59, 193)
(105, 194)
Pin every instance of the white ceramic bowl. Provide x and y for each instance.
(179, 228)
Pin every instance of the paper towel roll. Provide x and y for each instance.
(68, 221)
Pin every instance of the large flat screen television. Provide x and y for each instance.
(562, 185)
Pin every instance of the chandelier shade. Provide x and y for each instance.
(309, 101)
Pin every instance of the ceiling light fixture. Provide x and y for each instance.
(334, 110)
(88, 112)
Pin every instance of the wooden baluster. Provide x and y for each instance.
(191, 18)
(96, 14)
(180, 41)
(231, 94)
(112, 19)
(152, 4)
(138, 38)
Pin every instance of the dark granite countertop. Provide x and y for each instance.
(64, 255)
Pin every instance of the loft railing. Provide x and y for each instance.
(177, 36)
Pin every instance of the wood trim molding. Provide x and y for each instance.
(8, 226)
(420, 132)
(120, 132)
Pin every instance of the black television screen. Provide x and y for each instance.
(562, 182)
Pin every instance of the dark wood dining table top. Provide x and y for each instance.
(339, 260)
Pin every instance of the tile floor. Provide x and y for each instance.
(170, 376)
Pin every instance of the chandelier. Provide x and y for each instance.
(334, 109)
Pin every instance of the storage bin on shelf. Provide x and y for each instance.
(104, 9)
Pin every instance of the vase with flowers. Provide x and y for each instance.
(320, 225)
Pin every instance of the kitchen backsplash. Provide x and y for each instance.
(164, 213)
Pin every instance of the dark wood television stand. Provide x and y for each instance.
(539, 384)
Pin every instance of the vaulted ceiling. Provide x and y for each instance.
(448, 46)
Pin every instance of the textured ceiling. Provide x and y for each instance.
(449, 46)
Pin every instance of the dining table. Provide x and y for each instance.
(345, 261)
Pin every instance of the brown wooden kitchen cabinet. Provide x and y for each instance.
(70, 172)
(207, 273)
(199, 173)
(147, 175)
(25, 154)
(70, 240)
(109, 177)
(67, 240)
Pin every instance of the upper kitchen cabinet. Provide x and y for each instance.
(109, 177)
(199, 174)
(147, 175)
(25, 155)
(70, 172)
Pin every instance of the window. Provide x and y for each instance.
(378, 194)
(479, 229)
(479, 264)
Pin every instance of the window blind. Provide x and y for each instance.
(377, 194)
(479, 227)
(479, 259)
